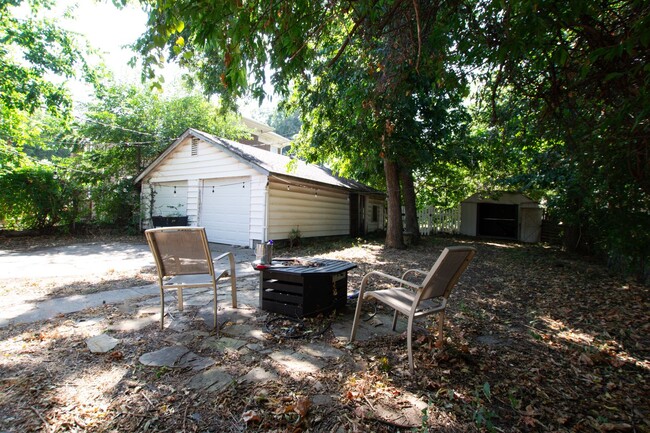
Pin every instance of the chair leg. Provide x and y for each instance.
(409, 339)
(162, 309)
(441, 322)
(179, 291)
(214, 324)
(357, 314)
(233, 285)
(395, 320)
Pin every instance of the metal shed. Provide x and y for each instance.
(506, 215)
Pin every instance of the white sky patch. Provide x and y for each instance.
(110, 30)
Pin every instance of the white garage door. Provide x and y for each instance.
(225, 210)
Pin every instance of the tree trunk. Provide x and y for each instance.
(394, 238)
(411, 210)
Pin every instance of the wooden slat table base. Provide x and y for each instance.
(303, 291)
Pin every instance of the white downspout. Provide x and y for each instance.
(265, 235)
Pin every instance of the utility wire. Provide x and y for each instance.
(112, 125)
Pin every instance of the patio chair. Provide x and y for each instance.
(184, 261)
(428, 297)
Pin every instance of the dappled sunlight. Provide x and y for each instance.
(85, 399)
(531, 337)
(594, 349)
(507, 245)
(563, 332)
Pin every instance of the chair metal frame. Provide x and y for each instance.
(417, 300)
(180, 270)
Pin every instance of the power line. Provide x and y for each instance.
(86, 141)
(115, 126)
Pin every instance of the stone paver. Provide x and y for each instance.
(259, 375)
(212, 380)
(296, 362)
(223, 344)
(176, 357)
(185, 337)
(101, 343)
(404, 410)
(321, 350)
(367, 330)
(244, 331)
(133, 324)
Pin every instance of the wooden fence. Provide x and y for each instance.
(434, 221)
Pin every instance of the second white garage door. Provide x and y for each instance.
(225, 210)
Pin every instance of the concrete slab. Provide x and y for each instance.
(36, 311)
(95, 259)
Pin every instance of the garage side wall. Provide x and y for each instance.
(314, 211)
(195, 163)
(374, 215)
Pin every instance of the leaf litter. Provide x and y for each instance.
(535, 340)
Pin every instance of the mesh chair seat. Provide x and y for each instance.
(184, 261)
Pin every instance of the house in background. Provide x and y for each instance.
(243, 194)
(263, 136)
(504, 215)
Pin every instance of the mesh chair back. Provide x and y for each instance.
(181, 251)
(446, 271)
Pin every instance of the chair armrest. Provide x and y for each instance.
(231, 258)
(232, 274)
(388, 277)
(415, 271)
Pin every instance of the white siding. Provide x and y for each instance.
(170, 198)
(225, 210)
(313, 210)
(468, 219)
(209, 163)
(373, 226)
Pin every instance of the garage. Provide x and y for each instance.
(244, 195)
(170, 198)
(225, 210)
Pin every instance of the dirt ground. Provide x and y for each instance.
(535, 340)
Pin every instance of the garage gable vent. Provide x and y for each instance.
(195, 147)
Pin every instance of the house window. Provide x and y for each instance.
(195, 147)
(375, 213)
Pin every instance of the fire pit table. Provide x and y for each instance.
(302, 287)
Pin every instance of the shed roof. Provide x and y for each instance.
(502, 197)
(275, 165)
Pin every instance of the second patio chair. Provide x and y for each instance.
(184, 261)
(428, 297)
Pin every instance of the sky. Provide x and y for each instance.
(110, 30)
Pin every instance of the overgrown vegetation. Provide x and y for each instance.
(431, 101)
